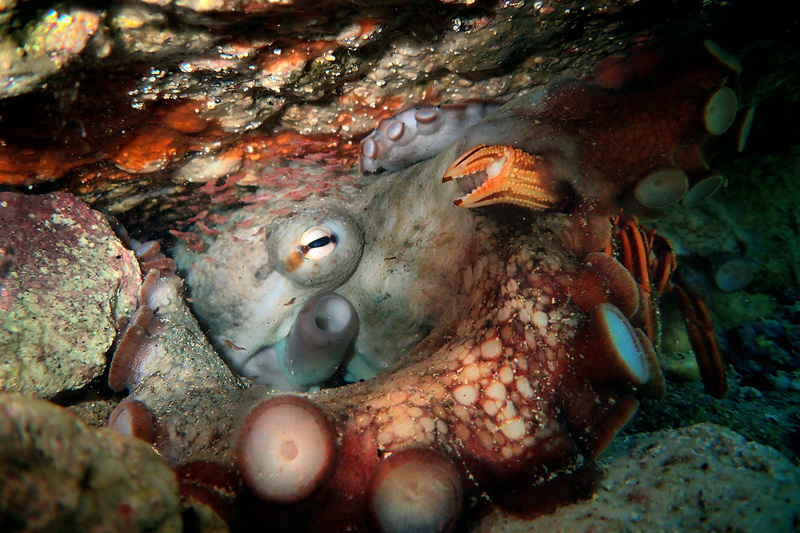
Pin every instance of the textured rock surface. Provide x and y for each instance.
(58, 475)
(177, 92)
(698, 478)
(64, 279)
(48, 43)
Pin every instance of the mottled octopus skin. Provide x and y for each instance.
(188, 390)
(505, 394)
(518, 381)
(248, 300)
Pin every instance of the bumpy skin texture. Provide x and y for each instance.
(519, 351)
(505, 394)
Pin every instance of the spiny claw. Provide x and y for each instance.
(503, 175)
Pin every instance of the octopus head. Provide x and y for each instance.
(264, 293)
(326, 292)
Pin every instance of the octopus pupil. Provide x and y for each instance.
(322, 241)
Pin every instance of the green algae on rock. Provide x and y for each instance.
(65, 279)
(56, 474)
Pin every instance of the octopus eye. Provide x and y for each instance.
(317, 242)
(318, 247)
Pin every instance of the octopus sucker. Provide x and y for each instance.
(286, 449)
(662, 187)
(132, 417)
(488, 432)
(125, 360)
(419, 133)
(164, 361)
(416, 490)
(621, 288)
(720, 111)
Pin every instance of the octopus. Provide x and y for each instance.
(463, 324)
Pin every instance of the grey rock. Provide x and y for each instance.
(697, 478)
